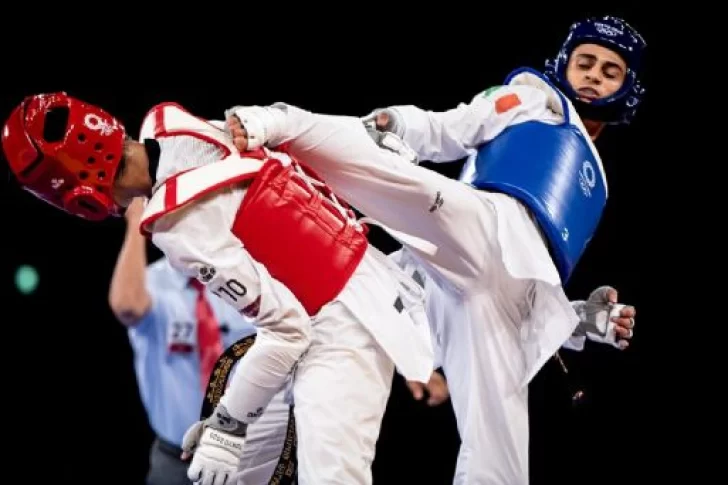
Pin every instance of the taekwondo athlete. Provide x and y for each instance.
(334, 312)
(500, 242)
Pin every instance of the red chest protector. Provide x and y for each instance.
(289, 221)
(296, 230)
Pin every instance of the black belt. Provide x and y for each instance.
(285, 471)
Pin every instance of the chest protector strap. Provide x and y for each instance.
(289, 220)
(555, 172)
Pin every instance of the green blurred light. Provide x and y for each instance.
(26, 279)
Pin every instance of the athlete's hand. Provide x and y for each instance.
(135, 210)
(216, 446)
(386, 128)
(624, 318)
(604, 320)
(436, 389)
(238, 132)
(387, 120)
(381, 120)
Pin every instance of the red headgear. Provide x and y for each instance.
(73, 169)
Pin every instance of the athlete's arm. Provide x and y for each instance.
(197, 241)
(454, 134)
(129, 297)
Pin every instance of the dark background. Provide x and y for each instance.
(70, 383)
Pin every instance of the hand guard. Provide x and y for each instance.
(253, 119)
(595, 319)
(389, 136)
(395, 124)
(217, 444)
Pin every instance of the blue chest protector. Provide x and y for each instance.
(551, 169)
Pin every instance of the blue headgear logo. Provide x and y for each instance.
(613, 33)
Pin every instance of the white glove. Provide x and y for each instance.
(595, 319)
(217, 444)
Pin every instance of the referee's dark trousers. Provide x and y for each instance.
(165, 465)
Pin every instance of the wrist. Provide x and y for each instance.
(579, 307)
(221, 420)
(133, 234)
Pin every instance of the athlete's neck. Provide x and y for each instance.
(133, 178)
(594, 128)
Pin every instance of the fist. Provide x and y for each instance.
(381, 120)
(436, 389)
(386, 120)
(621, 315)
(135, 210)
(238, 132)
(604, 320)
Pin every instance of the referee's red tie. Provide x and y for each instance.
(209, 342)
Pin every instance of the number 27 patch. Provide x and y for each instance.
(181, 337)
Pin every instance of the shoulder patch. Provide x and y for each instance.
(507, 102)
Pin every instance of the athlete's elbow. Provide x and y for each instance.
(129, 309)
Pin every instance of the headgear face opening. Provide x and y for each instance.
(65, 152)
(615, 34)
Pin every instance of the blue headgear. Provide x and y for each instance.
(615, 34)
